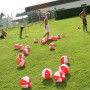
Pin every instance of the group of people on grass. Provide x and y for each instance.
(45, 22)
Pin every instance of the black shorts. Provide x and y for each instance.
(84, 21)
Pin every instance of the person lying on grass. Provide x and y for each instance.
(83, 16)
(46, 24)
(3, 34)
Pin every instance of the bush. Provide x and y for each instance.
(66, 13)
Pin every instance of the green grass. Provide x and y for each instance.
(76, 45)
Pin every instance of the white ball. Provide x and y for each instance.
(20, 56)
(64, 60)
(25, 82)
(46, 73)
(21, 62)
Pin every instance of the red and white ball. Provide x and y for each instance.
(26, 35)
(21, 47)
(51, 46)
(21, 62)
(63, 35)
(25, 51)
(46, 39)
(64, 68)
(54, 38)
(35, 40)
(50, 38)
(78, 27)
(46, 73)
(64, 60)
(27, 47)
(43, 41)
(25, 82)
(58, 36)
(59, 76)
(20, 56)
(16, 46)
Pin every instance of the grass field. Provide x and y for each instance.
(76, 45)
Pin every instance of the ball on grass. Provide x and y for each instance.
(64, 68)
(51, 46)
(50, 38)
(43, 41)
(35, 40)
(25, 51)
(21, 47)
(20, 56)
(78, 27)
(16, 46)
(46, 39)
(63, 35)
(64, 60)
(21, 62)
(26, 35)
(25, 82)
(59, 76)
(27, 47)
(46, 73)
(54, 38)
(58, 36)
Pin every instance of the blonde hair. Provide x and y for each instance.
(47, 13)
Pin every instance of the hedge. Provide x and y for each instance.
(66, 13)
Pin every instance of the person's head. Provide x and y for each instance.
(48, 14)
(2, 29)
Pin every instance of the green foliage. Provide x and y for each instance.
(76, 45)
(67, 13)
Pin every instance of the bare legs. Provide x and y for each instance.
(47, 34)
(84, 28)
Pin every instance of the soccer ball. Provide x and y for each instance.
(54, 38)
(21, 62)
(27, 47)
(46, 39)
(35, 40)
(43, 41)
(26, 35)
(16, 46)
(21, 47)
(64, 68)
(46, 73)
(20, 56)
(50, 38)
(25, 82)
(63, 35)
(64, 60)
(51, 46)
(58, 36)
(78, 27)
(25, 51)
(59, 76)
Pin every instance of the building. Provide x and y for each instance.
(20, 19)
(35, 12)
(5, 20)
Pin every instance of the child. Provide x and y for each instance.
(83, 16)
(21, 29)
(46, 24)
(3, 34)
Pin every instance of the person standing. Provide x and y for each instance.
(83, 16)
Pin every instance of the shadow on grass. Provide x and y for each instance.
(69, 64)
(47, 82)
(20, 68)
(68, 76)
(27, 88)
(88, 32)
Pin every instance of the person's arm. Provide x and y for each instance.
(80, 14)
(42, 23)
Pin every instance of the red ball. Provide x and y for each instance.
(35, 40)
(25, 82)
(46, 39)
(27, 47)
(78, 27)
(63, 35)
(21, 47)
(26, 35)
(51, 46)
(21, 62)
(50, 38)
(64, 60)
(43, 41)
(64, 68)
(58, 36)
(20, 56)
(25, 51)
(59, 76)
(54, 38)
(16, 46)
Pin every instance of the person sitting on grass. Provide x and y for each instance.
(3, 34)
(46, 24)
(83, 16)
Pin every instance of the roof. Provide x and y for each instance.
(48, 4)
